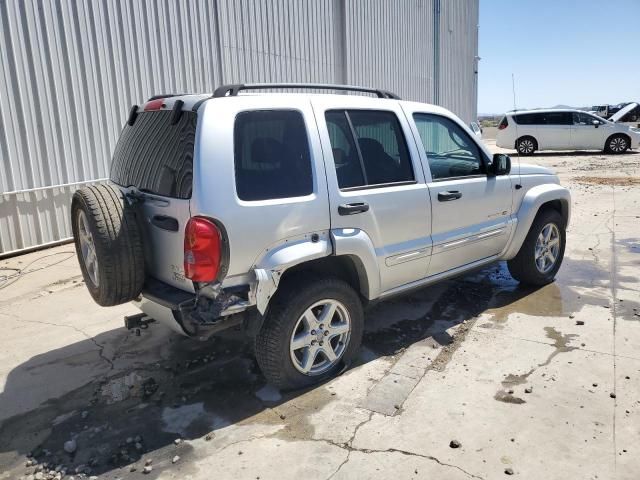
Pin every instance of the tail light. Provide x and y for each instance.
(503, 124)
(202, 250)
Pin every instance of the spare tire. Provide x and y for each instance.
(108, 244)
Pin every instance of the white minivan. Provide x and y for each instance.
(566, 129)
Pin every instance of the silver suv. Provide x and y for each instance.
(288, 213)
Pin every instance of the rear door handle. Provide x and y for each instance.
(449, 196)
(353, 208)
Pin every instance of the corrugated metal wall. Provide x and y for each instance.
(70, 70)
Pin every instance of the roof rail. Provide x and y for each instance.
(233, 89)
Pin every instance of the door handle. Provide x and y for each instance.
(353, 208)
(449, 196)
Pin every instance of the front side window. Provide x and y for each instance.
(450, 150)
(368, 148)
(582, 119)
(272, 158)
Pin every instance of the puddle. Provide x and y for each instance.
(179, 419)
(269, 394)
(561, 345)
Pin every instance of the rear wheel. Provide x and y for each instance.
(541, 254)
(526, 145)
(108, 244)
(617, 144)
(312, 329)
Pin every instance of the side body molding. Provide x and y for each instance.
(531, 203)
(356, 244)
(270, 267)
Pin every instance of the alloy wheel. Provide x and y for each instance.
(547, 248)
(618, 144)
(526, 146)
(320, 337)
(88, 248)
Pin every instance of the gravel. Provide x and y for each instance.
(455, 444)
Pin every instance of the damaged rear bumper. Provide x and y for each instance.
(189, 313)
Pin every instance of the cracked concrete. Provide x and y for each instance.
(451, 361)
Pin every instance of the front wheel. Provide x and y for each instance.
(617, 144)
(313, 328)
(541, 254)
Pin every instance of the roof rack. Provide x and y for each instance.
(233, 89)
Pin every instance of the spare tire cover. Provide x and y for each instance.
(108, 244)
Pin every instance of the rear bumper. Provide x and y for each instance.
(166, 304)
(187, 313)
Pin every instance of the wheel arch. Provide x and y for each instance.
(345, 267)
(535, 141)
(348, 255)
(537, 199)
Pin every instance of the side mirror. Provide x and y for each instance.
(501, 164)
(596, 123)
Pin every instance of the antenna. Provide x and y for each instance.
(513, 87)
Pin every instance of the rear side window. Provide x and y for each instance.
(368, 148)
(544, 118)
(559, 118)
(156, 155)
(272, 158)
(530, 119)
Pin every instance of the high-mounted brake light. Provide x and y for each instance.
(154, 105)
(202, 250)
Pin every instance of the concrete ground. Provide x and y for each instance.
(536, 383)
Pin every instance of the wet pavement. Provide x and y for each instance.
(545, 382)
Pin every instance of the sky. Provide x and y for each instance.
(562, 52)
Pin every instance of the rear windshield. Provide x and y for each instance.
(156, 155)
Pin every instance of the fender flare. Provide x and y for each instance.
(356, 244)
(531, 203)
(275, 261)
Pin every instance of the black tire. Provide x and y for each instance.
(117, 244)
(526, 145)
(272, 344)
(523, 266)
(617, 144)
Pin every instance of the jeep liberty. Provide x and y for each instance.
(287, 213)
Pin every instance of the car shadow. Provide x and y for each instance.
(155, 392)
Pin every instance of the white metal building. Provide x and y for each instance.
(71, 69)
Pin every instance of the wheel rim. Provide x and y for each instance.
(320, 337)
(547, 248)
(617, 144)
(88, 248)
(526, 146)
